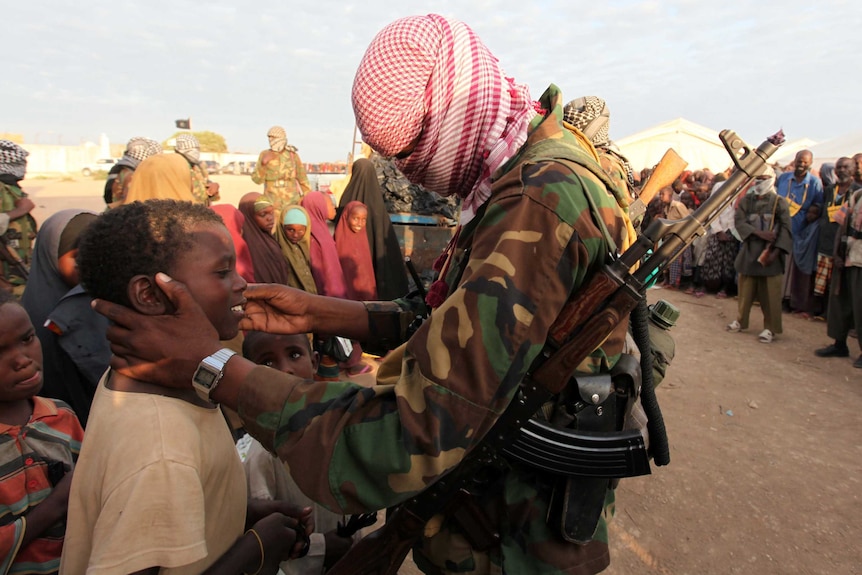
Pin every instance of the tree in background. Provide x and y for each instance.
(210, 141)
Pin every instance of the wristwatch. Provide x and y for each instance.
(209, 373)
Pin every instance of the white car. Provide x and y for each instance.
(103, 165)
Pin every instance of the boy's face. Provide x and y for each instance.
(294, 232)
(356, 220)
(287, 353)
(265, 219)
(20, 355)
(209, 271)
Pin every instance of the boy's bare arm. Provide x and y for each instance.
(49, 512)
(260, 550)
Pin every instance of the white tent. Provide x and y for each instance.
(697, 145)
(828, 151)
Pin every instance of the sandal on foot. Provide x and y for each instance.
(734, 326)
(765, 336)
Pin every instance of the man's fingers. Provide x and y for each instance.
(263, 291)
(117, 314)
(176, 292)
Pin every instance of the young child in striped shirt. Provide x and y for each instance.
(39, 443)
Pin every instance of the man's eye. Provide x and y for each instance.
(269, 363)
(28, 338)
(295, 355)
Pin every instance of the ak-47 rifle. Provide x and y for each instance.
(586, 320)
(12, 259)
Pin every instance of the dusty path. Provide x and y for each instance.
(765, 443)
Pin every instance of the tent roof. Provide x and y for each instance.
(696, 144)
(828, 151)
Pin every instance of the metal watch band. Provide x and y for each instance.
(214, 366)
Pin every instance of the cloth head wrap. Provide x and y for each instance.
(295, 216)
(189, 147)
(277, 138)
(13, 159)
(764, 186)
(262, 203)
(431, 81)
(589, 114)
(139, 149)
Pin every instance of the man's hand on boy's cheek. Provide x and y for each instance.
(163, 349)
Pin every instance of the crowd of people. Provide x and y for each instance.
(787, 244)
(213, 424)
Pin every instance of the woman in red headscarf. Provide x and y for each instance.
(354, 253)
(233, 221)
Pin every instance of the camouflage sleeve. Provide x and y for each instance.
(258, 175)
(301, 176)
(353, 448)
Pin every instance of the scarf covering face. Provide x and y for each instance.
(278, 138)
(763, 187)
(233, 221)
(390, 273)
(164, 176)
(13, 159)
(269, 264)
(355, 257)
(325, 266)
(431, 80)
(298, 255)
(589, 114)
(137, 150)
(189, 147)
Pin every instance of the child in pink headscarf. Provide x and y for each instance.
(329, 275)
(354, 252)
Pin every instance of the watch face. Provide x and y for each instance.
(205, 377)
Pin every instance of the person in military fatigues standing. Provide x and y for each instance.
(17, 226)
(281, 171)
(538, 218)
(204, 190)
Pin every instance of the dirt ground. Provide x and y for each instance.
(766, 457)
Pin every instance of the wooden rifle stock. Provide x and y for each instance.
(664, 174)
(584, 323)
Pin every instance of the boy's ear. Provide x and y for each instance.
(146, 297)
(315, 361)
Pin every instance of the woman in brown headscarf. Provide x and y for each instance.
(269, 264)
(163, 176)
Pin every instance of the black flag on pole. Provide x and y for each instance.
(184, 124)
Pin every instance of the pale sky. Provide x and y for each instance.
(75, 70)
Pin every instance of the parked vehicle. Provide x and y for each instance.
(238, 168)
(212, 166)
(103, 165)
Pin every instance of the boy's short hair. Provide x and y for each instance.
(136, 238)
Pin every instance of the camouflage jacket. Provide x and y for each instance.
(19, 236)
(355, 448)
(283, 177)
(200, 183)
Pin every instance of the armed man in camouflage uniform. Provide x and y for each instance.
(17, 226)
(537, 221)
(120, 177)
(204, 190)
(281, 171)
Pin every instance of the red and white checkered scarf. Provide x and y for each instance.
(432, 78)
